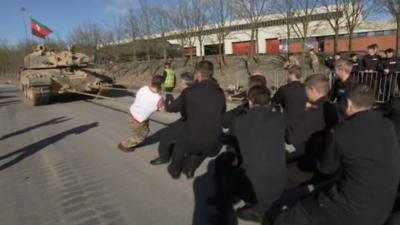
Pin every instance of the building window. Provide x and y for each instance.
(371, 34)
(364, 34)
(379, 33)
(389, 32)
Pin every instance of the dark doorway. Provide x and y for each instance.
(213, 49)
(321, 44)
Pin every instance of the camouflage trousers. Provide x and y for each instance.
(140, 132)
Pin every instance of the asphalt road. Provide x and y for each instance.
(59, 164)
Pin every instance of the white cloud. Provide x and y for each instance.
(117, 6)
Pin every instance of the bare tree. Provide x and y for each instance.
(285, 9)
(335, 22)
(220, 12)
(88, 37)
(113, 37)
(354, 13)
(145, 15)
(200, 20)
(303, 16)
(131, 24)
(183, 24)
(161, 24)
(393, 6)
(253, 11)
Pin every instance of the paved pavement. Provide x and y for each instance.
(59, 165)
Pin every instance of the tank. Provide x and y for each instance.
(48, 73)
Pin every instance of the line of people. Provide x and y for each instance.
(349, 151)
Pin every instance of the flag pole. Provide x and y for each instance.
(23, 9)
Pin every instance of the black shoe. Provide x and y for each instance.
(189, 174)
(159, 161)
(249, 214)
(174, 174)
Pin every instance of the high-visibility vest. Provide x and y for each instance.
(170, 79)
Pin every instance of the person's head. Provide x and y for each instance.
(317, 86)
(353, 57)
(204, 70)
(338, 56)
(372, 49)
(312, 51)
(156, 82)
(257, 79)
(187, 80)
(167, 65)
(259, 95)
(389, 52)
(294, 73)
(359, 98)
(343, 69)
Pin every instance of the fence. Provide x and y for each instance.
(384, 86)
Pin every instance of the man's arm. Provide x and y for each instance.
(300, 132)
(277, 99)
(175, 105)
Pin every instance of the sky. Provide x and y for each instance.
(61, 16)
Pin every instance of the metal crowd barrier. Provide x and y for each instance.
(384, 86)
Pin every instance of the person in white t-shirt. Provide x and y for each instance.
(148, 100)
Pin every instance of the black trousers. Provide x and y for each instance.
(188, 156)
(169, 138)
(168, 96)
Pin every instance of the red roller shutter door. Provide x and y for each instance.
(272, 46)
(244, 47)
(189, 51)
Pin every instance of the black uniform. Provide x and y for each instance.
(338, 94)
(390, 80)
(261, 177)
(392, 64)
(356, 66)
(371, 62)
(292, 97)
(203, 105)
(366, 150)
(312, 131)
(391, 110)
(174, 130)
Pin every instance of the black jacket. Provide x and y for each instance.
(313, 131)
(338, 93)
(203, 106)
(357, 65)
(292, 97)
(365, 148)
(391, 110)
(392, 64)
(176, 105)
(371, 62)
(260, 134)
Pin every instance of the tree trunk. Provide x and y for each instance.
(134, 53)
(288, 39)
(148, 50)
(351, 41)
(335, 41)
(165, 52)
(398, 36)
